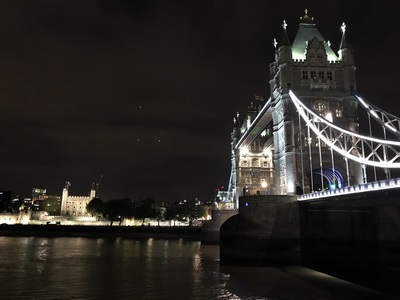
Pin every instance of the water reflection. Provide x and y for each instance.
(42, 253)
(82, 268)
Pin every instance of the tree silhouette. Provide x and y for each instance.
(146, 208)
(118, 210)
(95, 207)
(171, 212)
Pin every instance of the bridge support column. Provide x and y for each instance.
(211, 229)
(265, 232)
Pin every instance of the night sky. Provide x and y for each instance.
(144, 92)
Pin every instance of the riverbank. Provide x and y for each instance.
(101, 231)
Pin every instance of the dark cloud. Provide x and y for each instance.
(144, 92)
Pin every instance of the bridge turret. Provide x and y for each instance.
(273, 150)
(283, 53)
(324, 82)
(251, 114)
(235, 130)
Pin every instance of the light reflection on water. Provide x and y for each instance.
(83, 268)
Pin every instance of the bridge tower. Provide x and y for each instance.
(273, 152)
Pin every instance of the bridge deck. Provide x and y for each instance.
(360, 188)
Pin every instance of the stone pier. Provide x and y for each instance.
(265, 232)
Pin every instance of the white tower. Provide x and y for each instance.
(64, 198)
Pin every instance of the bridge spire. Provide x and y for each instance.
(285, 39)
(343, 43)
(345, 51)
(284, 50)
(306, 18)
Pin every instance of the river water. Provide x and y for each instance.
(84, 268)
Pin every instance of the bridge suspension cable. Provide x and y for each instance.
(385, 119)
(362, 149)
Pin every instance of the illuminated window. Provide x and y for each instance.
(305, 74)
(339, 112)
(255, 162)
(247, 177)
(329, 75)
(320, 107)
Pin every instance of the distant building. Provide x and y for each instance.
(38, 194)
(75, 205)
(41, 201)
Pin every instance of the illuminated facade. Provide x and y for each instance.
(75, 205)
(272, 150)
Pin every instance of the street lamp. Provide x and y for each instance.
(264, 185)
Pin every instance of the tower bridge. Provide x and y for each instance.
(306, 137)
(311, 184)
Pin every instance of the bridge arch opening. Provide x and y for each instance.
(332, 179)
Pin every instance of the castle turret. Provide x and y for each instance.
(92, 193)
(64, 198)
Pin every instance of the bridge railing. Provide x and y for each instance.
(360, 188)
